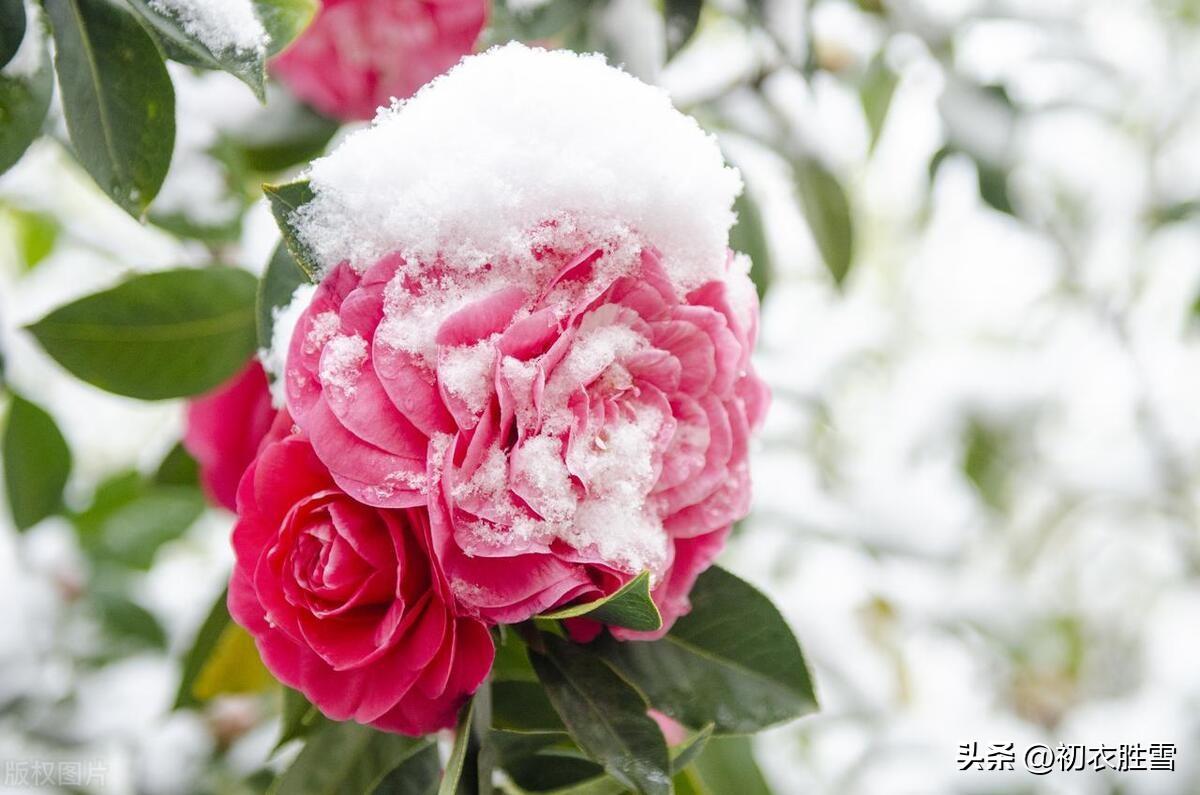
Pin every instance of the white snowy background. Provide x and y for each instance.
(977, 492)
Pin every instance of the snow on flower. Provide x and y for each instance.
(359, 54)
(534, 326)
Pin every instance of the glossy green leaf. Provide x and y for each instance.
(37, 462)
(458, 752)
(681, 19)
(732, 661)
(629, 607)
(284, 20)
(285, 200)
(24, 100)
(749, 236)
(158, 335)
(875, 93)
(557, 769)
(523, 707)
(686, 752)
(275, 290)
(828, 212)
(249, 66)
(298, 717)
(416, 775)
(117, 98)
(12, 28)
(347, 759)
(605, 715)
(201, 649)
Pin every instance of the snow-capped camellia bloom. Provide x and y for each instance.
(535, 327)
(359, 54)
(345, 601)
(224, 429)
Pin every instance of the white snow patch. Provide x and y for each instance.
(220, 25)
(341, 362)
(285, 318)
(466, 372)
(518, 147)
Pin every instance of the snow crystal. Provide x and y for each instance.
(466, 372)
(220, 25)
(342, 361)
(284, 318)
(324, 327)
(515, 148)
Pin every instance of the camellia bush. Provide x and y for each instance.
(483, 420)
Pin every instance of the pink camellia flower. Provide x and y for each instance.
(345, 601)
(577, 433)
(358, 54)
(224, 429)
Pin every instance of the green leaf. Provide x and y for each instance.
(159, 335)
(686, 752)
(298, 717)
(681, 19)
(523, 707)
(542, 21)
(129, 625)
(275, 290)
(24, 101)
(132, 533)
(284, 20)
(233, 666)
(284, 133)
(605, 715)
(875, 93)
(178, 468)
(347, 759)
(416, 775)
(117, 98)
(12, 28)
(201, 649)
(36, 235)
(285, 200)
(249, 66)
(458, 753)
(629, 607)
(749, 236)
(828, 212)
(732, 661)
(37, 462)
(555, 769)
(727, 765)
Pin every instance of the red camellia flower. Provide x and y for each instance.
(224, 429)
(345, 601)
(358, 54)
(575, 436)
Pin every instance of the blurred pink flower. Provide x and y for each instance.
(358, 54)
(224, 429)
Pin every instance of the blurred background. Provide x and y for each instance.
(976, 231)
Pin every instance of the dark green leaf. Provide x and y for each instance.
(347, 759)
(828, 212)
(299, 716)
(178, 468)
(128, 624)
(417, 775)
(159, 335)
(284, 20)
(732, 661)
(285, 200)
(201, 649)
(629, 607)
(875, 93)
(24, 100)
(249, 66)
(681, 19)
(605, 715)
(523, 707)
(749, 236)
(552, 769)
(993, 186)
(37, 462)
(117, 98)
(275, 289)
(12, 28)
(686, 752)
(458, 753)
(512, 661)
